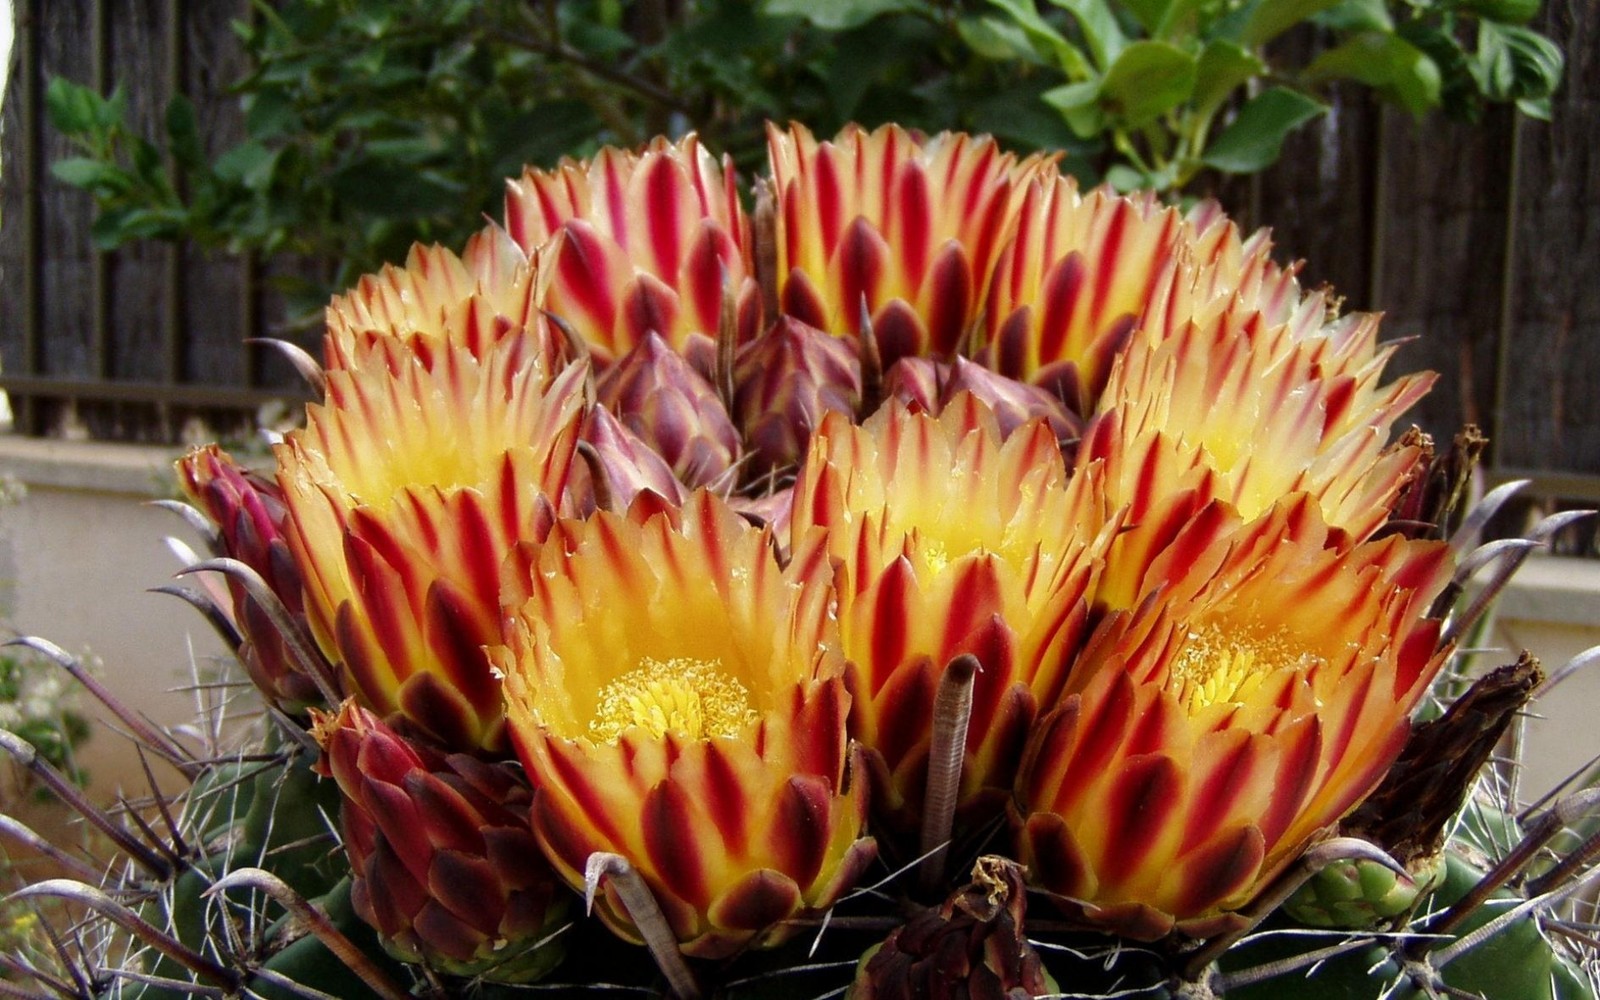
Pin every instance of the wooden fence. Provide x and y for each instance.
(1481, 244)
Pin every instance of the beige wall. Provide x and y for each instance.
(1553, 610)
(78, 554)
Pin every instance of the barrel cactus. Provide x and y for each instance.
(925, 578)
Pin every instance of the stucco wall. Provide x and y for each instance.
(78, 554)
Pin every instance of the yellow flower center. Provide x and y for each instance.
(691, 698)
(1217, 665)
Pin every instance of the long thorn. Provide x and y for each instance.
(727, 343)
(317, 921)
(28, 969)
(646, 915)
(1567, 867)
(576, 345)
(1486, 508)
(952, 712)
(1281, 888)
(871, 365)
(69, 793)
(1539, 833)
(25, 836)
(202, 602)
(147, 732)
(295, 641)
(1226, 982)
(599, 478)
(9, 990)
(1444, 956)
(191, 515)
(1586, 658)
(88, 895)
(303, 363)
(178, 843)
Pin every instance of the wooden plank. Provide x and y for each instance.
(1551, 405)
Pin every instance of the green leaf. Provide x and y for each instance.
(1148, 12)
(1224, 66)
(1504, 11)
(1535, 108)
(1026, 17)
(838, 15)
(1516, 63)
(1125, 178)
(1100, 29)
(1271, 18)
(1395, 68)
(115, 226)
(997, 40)
(1072, 96)
(269, 113)
(249, 164)
(183, 131)
(92, 175)
(1147, 80)
(74, 109)
(1357, 15)
(1254, 140)
(1179, 22)
(150, 167)
(1019, 117)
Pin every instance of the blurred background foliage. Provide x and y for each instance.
(371, 124)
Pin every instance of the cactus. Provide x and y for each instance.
(1082, 662)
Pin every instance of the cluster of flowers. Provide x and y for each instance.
(652, 527)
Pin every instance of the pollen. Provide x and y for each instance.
(690, 698)
(1218, 665)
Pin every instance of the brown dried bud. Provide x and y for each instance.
(971, 946)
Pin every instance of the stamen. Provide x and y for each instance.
(1217, 665)
(688, 697)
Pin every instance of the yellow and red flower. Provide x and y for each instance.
(903, 229)
(949, 540)
(405, 490)
(491, 294)
(649, 242)
(1276, 414)
(1209, 735)
(248, 511)
(677, 698)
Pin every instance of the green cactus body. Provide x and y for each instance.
(1361, 895)
(243, 815)
(1519, 963)
(307, 960)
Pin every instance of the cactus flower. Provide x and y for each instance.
(931, 385)
(1275, 410)
(903, 229)
(1073, 282)
(249, 513)
(1209, 735)
(406, 489)
(649, 241)
(670, 407)
(444, 866)
(491, 293)
(677, 698)
(950, 541)
(784, 381)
